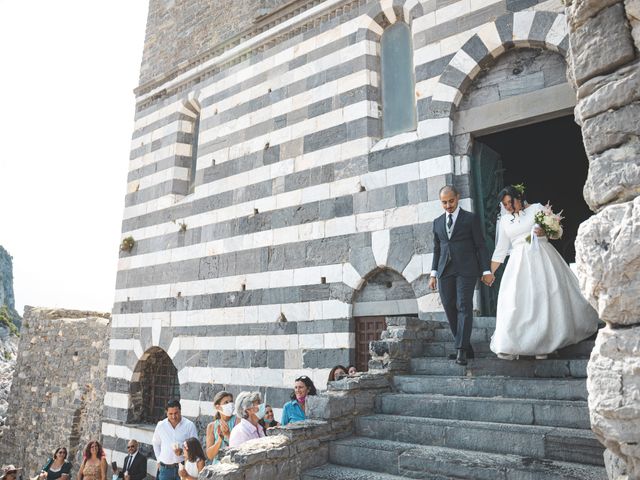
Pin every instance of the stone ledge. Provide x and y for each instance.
(289, 450)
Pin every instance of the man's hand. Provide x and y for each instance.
(488, 279)
(433, 283)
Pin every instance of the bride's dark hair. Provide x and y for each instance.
(514, 193)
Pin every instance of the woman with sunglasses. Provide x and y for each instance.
(57, 467)
(293, 411)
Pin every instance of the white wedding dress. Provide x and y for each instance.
(540, 306)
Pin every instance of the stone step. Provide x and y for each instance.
(521, 411)
(339, 472)
(564, 444)
(510, 387)
(483, 349)
(551, 368)
(477, 335)
(443, 349)
(425, 462)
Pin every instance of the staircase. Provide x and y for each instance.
(492, 419)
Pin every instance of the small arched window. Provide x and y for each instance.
(194, 107)
(398, 85)
(155, 382)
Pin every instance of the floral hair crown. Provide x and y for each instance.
(520, 188)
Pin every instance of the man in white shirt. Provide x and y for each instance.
(168, 438)
(460, 257)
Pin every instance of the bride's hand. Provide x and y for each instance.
(538, 231)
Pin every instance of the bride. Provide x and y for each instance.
(540, 307)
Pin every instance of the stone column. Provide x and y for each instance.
(604, 67)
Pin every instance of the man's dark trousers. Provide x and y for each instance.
(456, 294)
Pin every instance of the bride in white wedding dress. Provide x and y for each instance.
(540, 306)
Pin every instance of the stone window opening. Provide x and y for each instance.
(397, 80)
(193, 107)
(155, 382)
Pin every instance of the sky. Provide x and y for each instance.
(67, 73)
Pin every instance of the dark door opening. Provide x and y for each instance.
(549, 158)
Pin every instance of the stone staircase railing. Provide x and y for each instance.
(288, 451)
(403, 339)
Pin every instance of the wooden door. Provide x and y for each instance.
(368, 329)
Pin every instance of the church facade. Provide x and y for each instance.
(284, 177)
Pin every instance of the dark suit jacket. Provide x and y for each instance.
(137, 470)
(465, 249)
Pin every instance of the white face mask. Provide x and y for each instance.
(227, 409)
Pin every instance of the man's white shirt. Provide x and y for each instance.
(165, 436)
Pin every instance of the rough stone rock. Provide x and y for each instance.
(632, 8)
(614, 176)
(609, 91)
(601, 44)
(608, 262)
(611, 128)
(579, 11)
(616, 468)
(614, 393)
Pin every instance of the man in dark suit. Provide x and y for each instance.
(460, 257)
(135, 463)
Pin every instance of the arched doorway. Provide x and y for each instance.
(385, 293)
(155, 382)
(517, 118)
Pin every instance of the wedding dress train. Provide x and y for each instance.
(540, 306)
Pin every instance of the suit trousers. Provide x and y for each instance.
(456, 294)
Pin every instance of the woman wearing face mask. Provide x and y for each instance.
(219, 431)
(252, 410)
(268, 421)
(293, 411)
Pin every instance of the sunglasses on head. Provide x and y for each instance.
(300, 379)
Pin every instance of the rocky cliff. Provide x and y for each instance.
(10, 323)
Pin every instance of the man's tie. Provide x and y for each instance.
(449, 224)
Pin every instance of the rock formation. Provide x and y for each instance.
(605, 69)
(10, 323)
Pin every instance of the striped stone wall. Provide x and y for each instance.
(249, 281)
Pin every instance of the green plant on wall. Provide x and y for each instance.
(127, 244)
(5, 319)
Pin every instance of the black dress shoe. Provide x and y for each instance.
(461, 359)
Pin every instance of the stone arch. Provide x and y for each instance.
(384, 292)
(513, 30)
(154, 382)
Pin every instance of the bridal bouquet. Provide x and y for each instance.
(549, 222)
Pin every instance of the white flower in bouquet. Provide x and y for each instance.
(550, 222)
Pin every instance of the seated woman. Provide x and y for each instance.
(268, 421)
(250, 408)
(193, 459)
(293, 411)
(57, 466)
(219, 430)
(337, 373)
